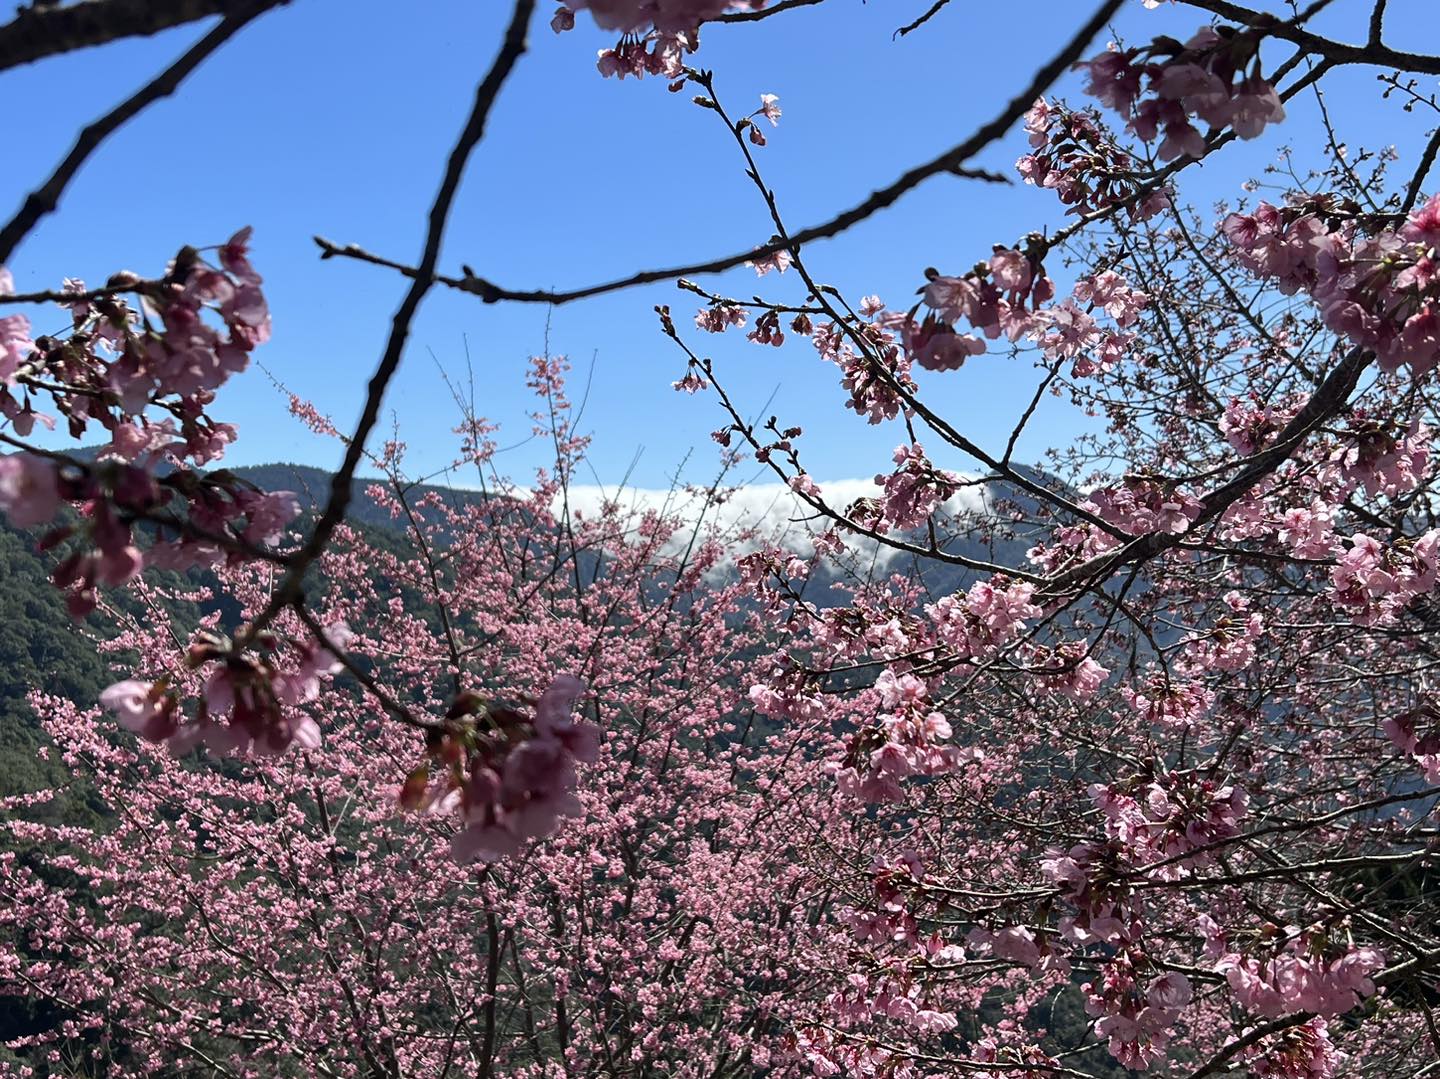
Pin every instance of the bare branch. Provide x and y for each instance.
(511, 49)
(949, 162)
(1427, 161)
(1377, 22)
(44, 199)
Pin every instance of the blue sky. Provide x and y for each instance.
(335, 117)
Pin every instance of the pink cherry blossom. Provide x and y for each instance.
(29, 491)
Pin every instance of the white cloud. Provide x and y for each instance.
(772, 512)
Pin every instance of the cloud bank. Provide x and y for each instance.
(772, 512)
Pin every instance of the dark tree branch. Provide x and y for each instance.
(44, 199)
(930, 13)
(512, 47)
(764, 13)
(1377, 22)
(1239, 1045)
(1337, 52)
(1327, 401)
(1427, 161)
(38, 32)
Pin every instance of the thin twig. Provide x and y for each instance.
(948, 162)
(923, 19)
(763, 13)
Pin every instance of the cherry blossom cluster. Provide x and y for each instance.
(1024, 1061)
(200, 519)
(863, 1001)
(1077, 674)
(1163, 86)
(883, 630)
(1071, 331)
(1250, 425)
(658, 52)
(1102, 908)
(892, 991)
(718, 317)
(1298, 970)
(871, 371)
(1150, 829)
(1309, 531)
(145, 375)
(830, 1054)
(16, 347)
(1073, 154)
(1381, 457)
(906, 740)
(989, 616)
(1169, 704)
(250, 701)
(890, 881)
(634, 16)
(1170, 816)
(1422, 744)
(1017, 944)
(998, 297)
(1134, 1015)
(1304, 1051)
(655, 34)
(1379, 289)
(766, 570)
(787, 694)
(510, 777)
(1373, 582)
(117, 361)
(913, 490)
(1070, 545)
(1142, 505)
(1228, 643)
(1005, 297)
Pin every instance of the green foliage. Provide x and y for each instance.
(40, 647)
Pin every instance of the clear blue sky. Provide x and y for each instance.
(335, 116)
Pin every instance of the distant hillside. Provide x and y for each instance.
(1021, 525)
(312, 485)
(40, 646)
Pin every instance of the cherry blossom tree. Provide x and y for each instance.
(1179, 761)
(305, 914)
(1162, 750)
